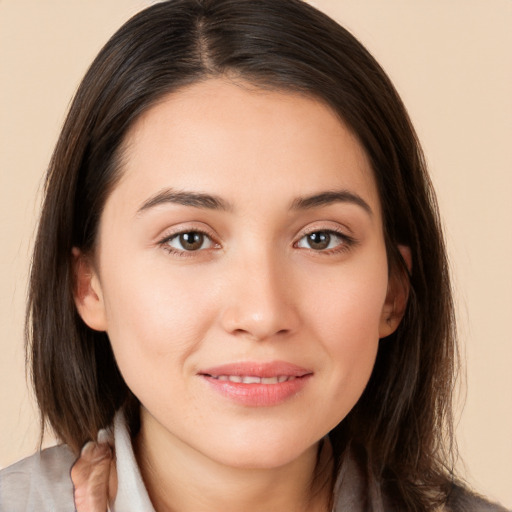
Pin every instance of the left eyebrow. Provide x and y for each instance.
(329, 197)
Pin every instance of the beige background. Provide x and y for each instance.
(451, 62)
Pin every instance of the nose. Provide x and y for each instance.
(260, 299)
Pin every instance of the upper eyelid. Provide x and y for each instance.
(170, 233)
(338, 230)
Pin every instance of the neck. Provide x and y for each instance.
(179, 479)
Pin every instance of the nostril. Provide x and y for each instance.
(260, 334)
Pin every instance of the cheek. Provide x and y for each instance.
(153, 322)
(348, 304)
(352, 341)
(347, 318)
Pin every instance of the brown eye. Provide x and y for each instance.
(319, 240)
(191, 241)
(188, 241)
(324, 240)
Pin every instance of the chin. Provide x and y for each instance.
(261, 452)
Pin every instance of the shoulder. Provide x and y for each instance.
(41, 482)
(461, 499)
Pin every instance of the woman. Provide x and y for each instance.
(240, 274)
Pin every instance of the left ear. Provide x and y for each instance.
(397, 295)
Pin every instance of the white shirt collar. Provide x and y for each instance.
(131, 491)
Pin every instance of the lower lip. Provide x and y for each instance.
(258, 395)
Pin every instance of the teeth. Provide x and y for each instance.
(250, 379)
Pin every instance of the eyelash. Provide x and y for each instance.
(346, 242)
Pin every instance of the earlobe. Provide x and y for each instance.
(87, 292)
(397, 295)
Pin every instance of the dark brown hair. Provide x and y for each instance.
(401, 426)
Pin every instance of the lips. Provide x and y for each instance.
(257, 384)
(252, 379)
(260, 370)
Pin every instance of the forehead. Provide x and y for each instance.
(227, 138)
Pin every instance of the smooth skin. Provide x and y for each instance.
(283, 260)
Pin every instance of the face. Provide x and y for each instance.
(241, 272)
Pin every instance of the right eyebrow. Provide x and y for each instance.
(185, 198)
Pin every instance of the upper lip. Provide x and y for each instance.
(257, 369)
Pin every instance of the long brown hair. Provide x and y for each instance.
(401, 427)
